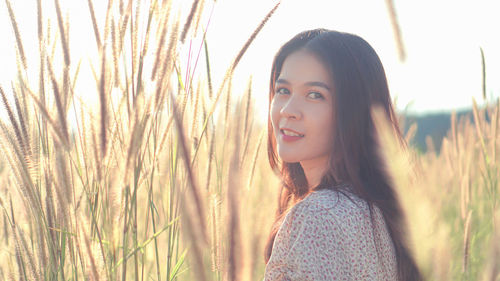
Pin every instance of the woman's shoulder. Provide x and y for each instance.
(329, 204)
(335, 226)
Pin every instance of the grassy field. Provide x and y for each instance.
(166, 177)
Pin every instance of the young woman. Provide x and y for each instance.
(338, 216)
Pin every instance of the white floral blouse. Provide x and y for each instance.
(326, 236)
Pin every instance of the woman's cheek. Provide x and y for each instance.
(325, 123)
(275, 114)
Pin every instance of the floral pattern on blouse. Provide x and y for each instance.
(329, 236)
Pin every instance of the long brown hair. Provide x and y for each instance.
(360, 83)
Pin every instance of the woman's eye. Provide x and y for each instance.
(282, 91)
(315, 95)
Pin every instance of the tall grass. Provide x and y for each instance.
(165, 177)
(120, 193)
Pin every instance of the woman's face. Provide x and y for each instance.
(302, 110)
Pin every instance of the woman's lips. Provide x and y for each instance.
(288, 138)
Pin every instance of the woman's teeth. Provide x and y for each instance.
(290, 133)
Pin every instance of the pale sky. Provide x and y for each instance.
(442, 70)
(442, 38)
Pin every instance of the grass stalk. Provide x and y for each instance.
(466, 242)
(15, 27)
(63, 33)
(94, 24)
(189, 20)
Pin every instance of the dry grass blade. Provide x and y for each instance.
(252, 37)
(107, 20)
(228, 101)
(247, 125)
(59, 104)
(492, 272)
(483, 73)
(22, 123)
(466, 242)
(188, 228)
(94, 24)
(54, 126)
(396, 29)
(13, 120)
(97, 158)
(103, 104)
(207, 62)
(164, 136)
(67, 93)
(144, 50)
(247, 107)
(209, 160)
(16, 33)
(14, 156)
(198, 16)
(195, 113)
(124, 23)
(161, 42)
(148, 29)
(234, 251)
(187, 163)
(134, 38)
(94, 273)
(22, 244)
(189, 20)
(135, 141)
(49, 209)
(495, 130)
(62, 31)
(114, 48)
(168, 65)
(216, 246)
(477, 123)
(464, 196)
(39, 20)
(411, 133)
(255, 157)
(41, 83)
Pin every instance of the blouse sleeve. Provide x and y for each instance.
(313, 244)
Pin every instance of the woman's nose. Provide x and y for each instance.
(291, 108)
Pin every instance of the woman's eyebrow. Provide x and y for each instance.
(310, 84)
(318, 84)
(282, 81)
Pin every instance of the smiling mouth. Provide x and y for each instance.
(290, 133)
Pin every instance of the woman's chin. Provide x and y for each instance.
(289, 159)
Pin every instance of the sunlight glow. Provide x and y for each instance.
(442, 70)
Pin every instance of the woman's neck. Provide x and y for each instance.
(314, 170)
